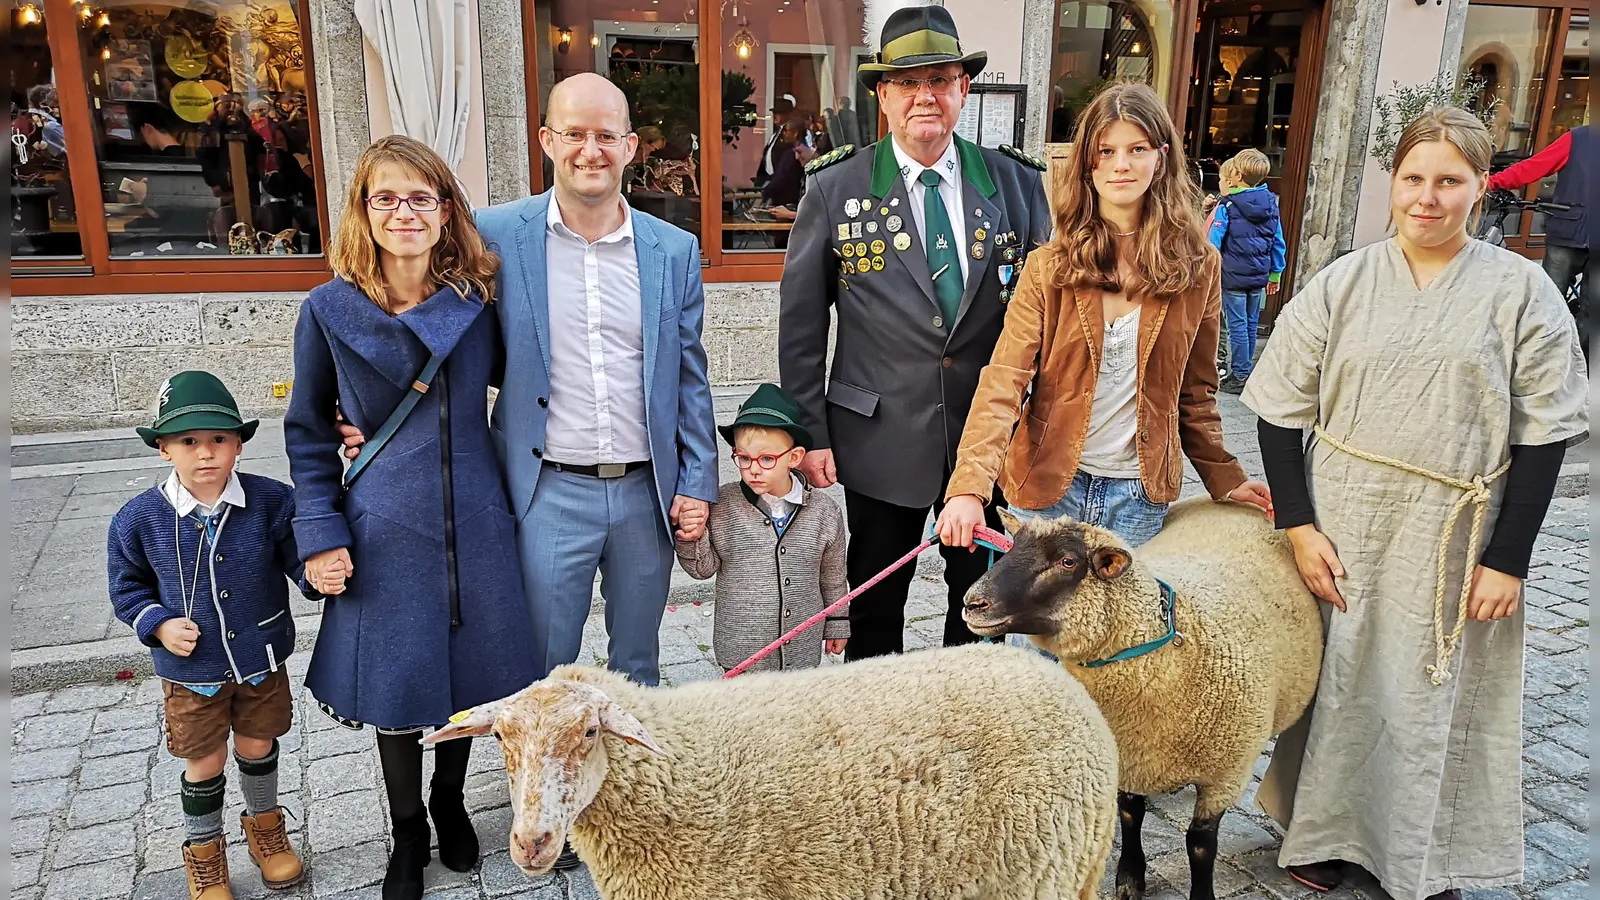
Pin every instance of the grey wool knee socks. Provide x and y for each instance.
(202, 808)
(258, 781)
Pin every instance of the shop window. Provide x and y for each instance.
(44, 219)
(656, 64)
(789, 94)
(1097, 42)
(201, 128)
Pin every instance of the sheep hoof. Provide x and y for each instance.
(1130, 886)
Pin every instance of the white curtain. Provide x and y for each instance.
(424, 47)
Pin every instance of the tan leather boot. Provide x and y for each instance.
(270, 848)
(207, 865)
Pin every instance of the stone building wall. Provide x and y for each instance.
(97, 361)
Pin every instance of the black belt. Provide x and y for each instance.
(604, 470)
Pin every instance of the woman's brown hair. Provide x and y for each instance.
(460, 258)
(1458, 128)
(1170, 251)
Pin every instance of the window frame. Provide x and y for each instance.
(98, 272)
(717, 265)
(1527, 242)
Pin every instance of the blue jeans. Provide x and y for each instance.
(1119, 505)
(576, 526)
(1241, 313)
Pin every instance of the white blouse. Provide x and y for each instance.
(1113, 418)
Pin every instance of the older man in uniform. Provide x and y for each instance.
(918, 242)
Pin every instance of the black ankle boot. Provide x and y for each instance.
(458, 842)
(403, 879)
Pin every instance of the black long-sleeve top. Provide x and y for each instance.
(1530, 485)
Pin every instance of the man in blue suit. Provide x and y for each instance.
(604, 421)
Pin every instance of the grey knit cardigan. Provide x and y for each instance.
(766, 585)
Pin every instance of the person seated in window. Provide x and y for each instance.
(42, 105)
(172, 212)
(789, 158)
(651, 140)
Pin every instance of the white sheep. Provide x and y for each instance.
(976, 772)
(1241, 665)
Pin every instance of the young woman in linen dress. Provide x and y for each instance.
(1458, 358)
(431, 618)
(1114, 327)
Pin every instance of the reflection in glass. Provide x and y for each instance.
(652, 52)
(1571, 100)
(789, 94)
(202, 128)
(1242, 95)
(1097, 42)
(44, 222)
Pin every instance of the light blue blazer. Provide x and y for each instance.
(677, 391)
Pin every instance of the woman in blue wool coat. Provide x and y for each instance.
(425, 614)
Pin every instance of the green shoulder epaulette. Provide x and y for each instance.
(1023, 158)
(829, 158)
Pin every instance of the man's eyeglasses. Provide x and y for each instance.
(766, 461)
(419, 202)
(576, 136)
(912, 86)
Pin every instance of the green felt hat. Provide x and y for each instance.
(769, 407)
(196, 401)
(918, 36)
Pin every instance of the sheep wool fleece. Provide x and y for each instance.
(825, 784)
(1200, 712)
(1417, 783)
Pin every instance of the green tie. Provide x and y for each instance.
(943, 263)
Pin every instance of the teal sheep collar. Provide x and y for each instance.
(1168, 602)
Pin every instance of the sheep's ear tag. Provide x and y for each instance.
(460, 717)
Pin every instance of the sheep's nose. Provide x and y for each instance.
(976, 603)
(528, 850)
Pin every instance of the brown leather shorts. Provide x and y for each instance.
(197, 725)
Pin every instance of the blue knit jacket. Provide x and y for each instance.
(245, 625)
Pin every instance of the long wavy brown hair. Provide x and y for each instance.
(1170, 250)
(460, 258)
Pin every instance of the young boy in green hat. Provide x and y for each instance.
(196, 568)
(775, 545)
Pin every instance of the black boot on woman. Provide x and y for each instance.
(458, 842)
(401, 757)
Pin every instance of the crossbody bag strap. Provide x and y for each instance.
(397, 418)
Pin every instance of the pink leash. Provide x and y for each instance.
(981, 532)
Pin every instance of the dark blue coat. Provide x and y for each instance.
(433, 620)
(1252, 239)
(1571, 228)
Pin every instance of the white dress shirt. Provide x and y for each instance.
(185, 502)
(596, 346)
(948, 166)
(1108, 451)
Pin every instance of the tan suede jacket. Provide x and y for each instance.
(1058, 334)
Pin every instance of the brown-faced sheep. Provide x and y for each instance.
(1241, 666)
(980, 771)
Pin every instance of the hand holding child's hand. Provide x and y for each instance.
(690, 515)
(328, 570)
(178, 636)
(835, 646)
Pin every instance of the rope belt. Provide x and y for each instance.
(1475, 492)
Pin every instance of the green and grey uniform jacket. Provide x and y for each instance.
(902, 378)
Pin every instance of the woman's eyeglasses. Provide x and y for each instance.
(744, 462)
(389, 202)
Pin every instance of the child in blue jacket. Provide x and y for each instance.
(196, 568)
(1246, 229)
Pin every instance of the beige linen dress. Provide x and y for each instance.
(1418, 783)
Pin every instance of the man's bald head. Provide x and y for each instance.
(588, 92)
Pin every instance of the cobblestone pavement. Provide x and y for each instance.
(95, 812)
